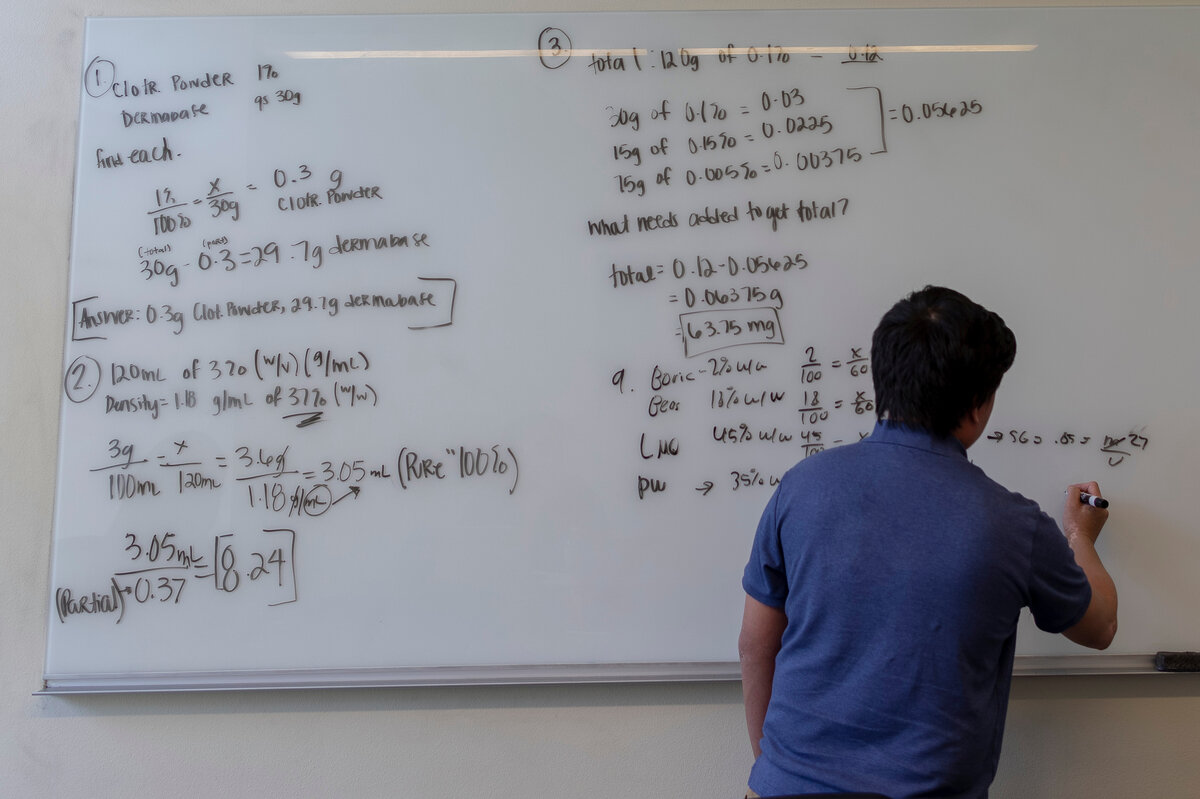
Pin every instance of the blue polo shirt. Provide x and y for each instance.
(902, 569)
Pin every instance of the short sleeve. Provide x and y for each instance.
(765, 578)
(1059, 592)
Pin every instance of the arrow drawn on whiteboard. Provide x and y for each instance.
(705, 487)
(353, 490)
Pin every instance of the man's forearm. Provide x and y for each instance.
(758, 672)
(1099, 624)
(758, 644)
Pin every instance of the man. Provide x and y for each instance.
(887, 577)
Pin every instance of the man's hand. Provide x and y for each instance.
(1080, 518)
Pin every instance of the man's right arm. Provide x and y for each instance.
(1082, 524)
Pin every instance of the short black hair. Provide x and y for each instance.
(935, 356)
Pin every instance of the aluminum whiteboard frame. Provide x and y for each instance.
(290, 679)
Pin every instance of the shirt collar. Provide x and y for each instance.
(886, 432)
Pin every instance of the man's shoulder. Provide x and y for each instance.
(864, 451)
(907, 466)
(830, 458)
(832, 465)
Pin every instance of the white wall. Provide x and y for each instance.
(1067, 736)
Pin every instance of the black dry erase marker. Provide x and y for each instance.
(1091, 499)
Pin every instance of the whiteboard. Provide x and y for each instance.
(468, 348)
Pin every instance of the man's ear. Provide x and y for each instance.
(974, 422)
(975, 416)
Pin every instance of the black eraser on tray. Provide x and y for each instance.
(1177, 661)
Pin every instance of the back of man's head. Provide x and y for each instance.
(935, 356)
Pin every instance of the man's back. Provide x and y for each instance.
(902, 569)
